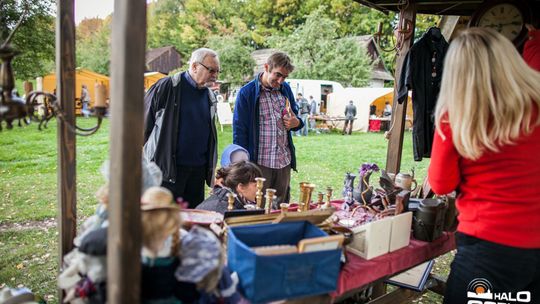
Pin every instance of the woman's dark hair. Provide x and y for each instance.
(242, 172)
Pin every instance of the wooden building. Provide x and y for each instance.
(163, 60)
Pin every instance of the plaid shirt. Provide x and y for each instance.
(274, 149)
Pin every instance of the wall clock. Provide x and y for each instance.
(507, 17)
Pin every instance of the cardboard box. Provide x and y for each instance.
(400, 234)
(372, 239)
(284, 276)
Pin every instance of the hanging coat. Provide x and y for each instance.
(421, 73)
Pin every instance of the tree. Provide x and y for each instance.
(236, 62)
(317, 53)
(93, 50)
(34, 38)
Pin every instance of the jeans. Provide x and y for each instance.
(312, 124)
(304, 130)
(508, 269)
(85, 111)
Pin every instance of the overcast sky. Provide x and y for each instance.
(92, 8)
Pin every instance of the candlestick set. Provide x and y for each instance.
(306, 191)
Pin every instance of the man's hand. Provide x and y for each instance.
(291, 121)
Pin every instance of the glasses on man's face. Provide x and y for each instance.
(210, 70)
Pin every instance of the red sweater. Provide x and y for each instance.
(531, 50)
(499, 194)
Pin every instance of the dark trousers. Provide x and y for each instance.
(348, 122)
(508, 269)
(278, 179)
(189, 184)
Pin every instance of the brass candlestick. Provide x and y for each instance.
(270, 193)
(284, 207)
(329, 191)
(307, 196)
(320, 199)
(302, 196)
(230, 201)
(259, 195)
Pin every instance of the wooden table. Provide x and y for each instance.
(359, 274)
(330, 121)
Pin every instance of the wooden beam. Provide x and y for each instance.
(395, 146)
(127, 89)
(65, 88)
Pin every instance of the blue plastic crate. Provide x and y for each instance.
(270, 278)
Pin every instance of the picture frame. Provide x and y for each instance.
(321, 243)
(415, 278)
(315, 217)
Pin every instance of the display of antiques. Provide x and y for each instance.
(364, 203)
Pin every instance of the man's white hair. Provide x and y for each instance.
(199, 54)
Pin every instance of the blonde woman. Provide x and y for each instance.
(486, 147)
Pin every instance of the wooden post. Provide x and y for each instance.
(399, 111)
(65, 88)
(127, 89)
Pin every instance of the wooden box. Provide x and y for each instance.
(400, 234)
(372, 239)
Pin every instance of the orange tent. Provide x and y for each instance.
(82, 76)
(150, 78)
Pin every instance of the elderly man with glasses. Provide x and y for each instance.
(180, 134)
(265, 113)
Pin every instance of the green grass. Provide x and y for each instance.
(30, 258)
(28, 188)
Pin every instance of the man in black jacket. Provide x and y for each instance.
(180, 134)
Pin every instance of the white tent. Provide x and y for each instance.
(362, 99)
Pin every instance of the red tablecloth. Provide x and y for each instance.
(374, 125)
(358, 272)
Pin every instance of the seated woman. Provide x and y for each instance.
(238, 178)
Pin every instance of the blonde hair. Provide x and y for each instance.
(488, 93)
(102, 194)
(157, 225)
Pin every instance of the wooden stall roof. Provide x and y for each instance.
(433, 7)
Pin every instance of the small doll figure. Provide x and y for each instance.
(160, 239)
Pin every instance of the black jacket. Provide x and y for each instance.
(219, 201)
(421, 73)
(162, 101)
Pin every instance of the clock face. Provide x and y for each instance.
(506, 19)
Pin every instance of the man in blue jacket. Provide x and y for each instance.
(265, 113)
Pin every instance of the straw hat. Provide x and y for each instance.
(158, 198)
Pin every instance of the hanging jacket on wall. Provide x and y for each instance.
(421, 73)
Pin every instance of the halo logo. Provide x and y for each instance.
(480, 291)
